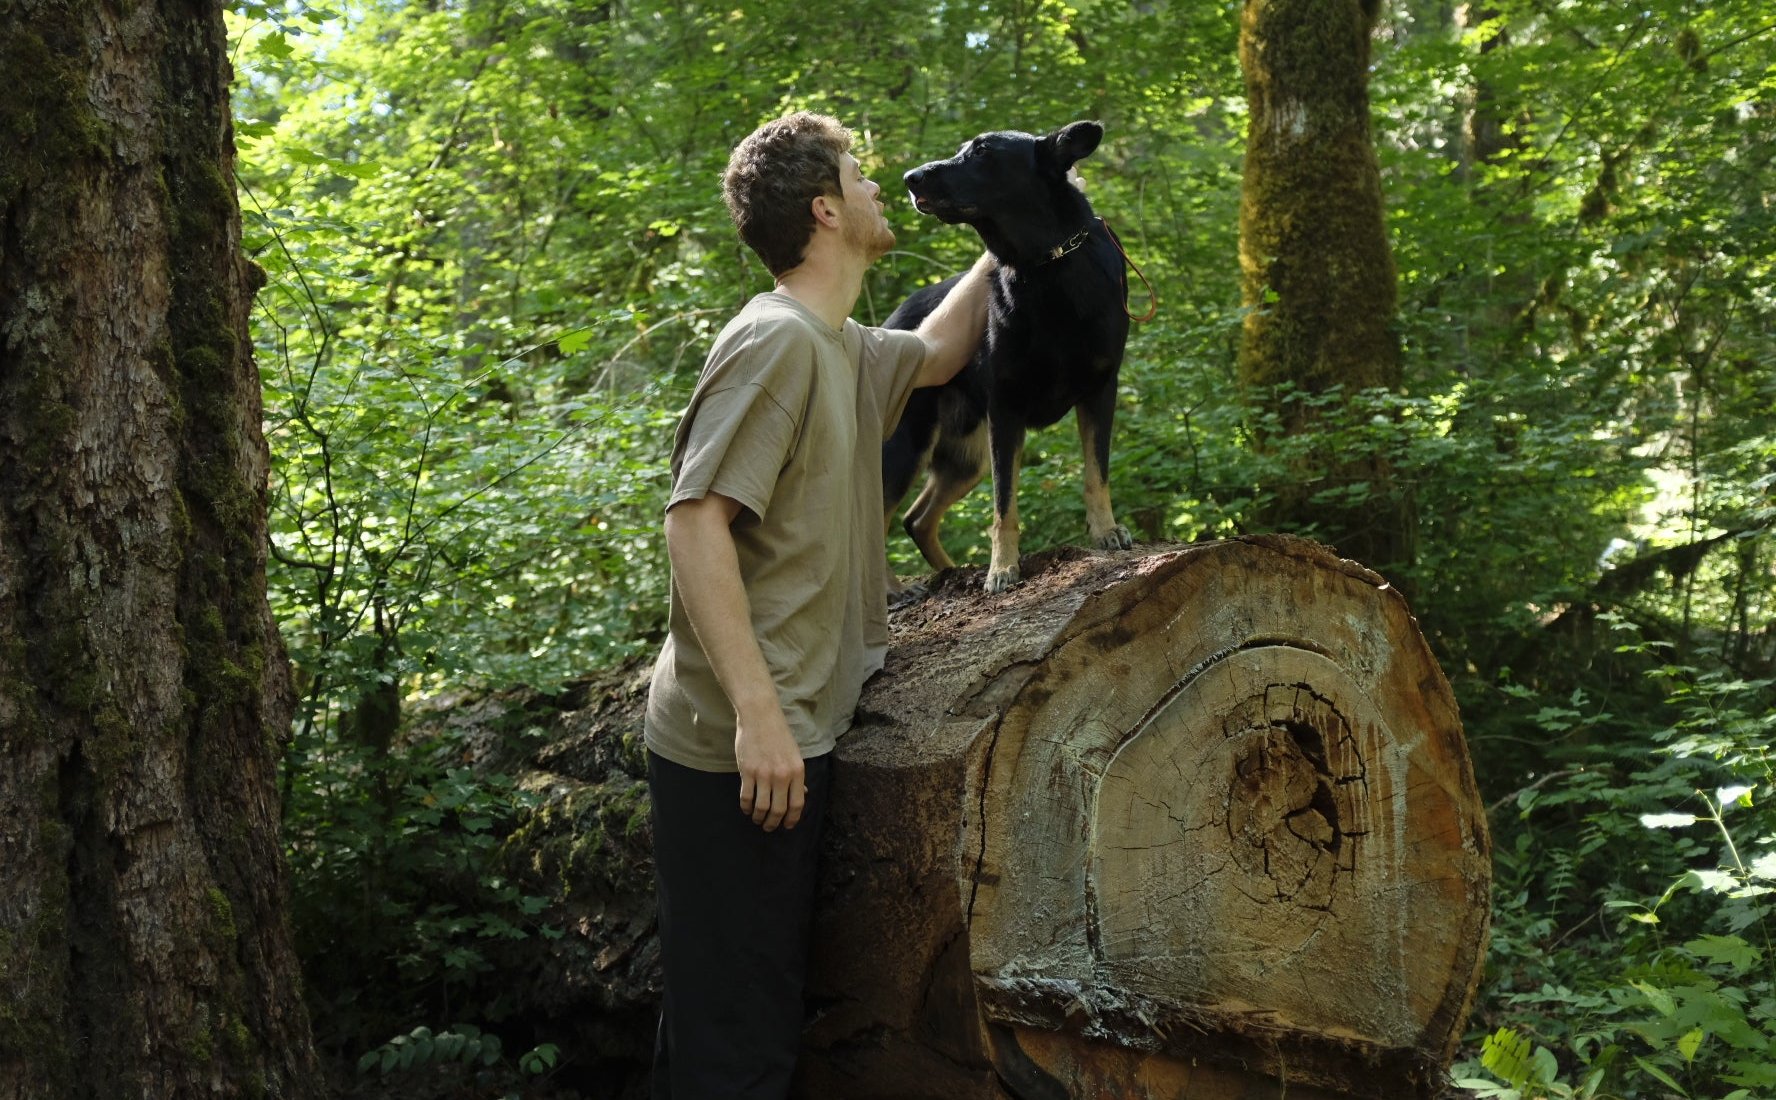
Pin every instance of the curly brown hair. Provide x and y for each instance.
(774, 176)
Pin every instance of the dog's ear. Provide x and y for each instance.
(1069, 144)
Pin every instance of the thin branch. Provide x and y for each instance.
(1536, 786)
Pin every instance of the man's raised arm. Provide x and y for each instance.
(953, 330)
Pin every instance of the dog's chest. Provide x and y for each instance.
(1056, 332)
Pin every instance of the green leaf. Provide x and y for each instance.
(276, 45)
(1658, 998)
(1753, 1071)
(1688, 1044)
(1739, 797)
(1544, 1066)
(1729, 951)
(1660, 1075)
(575, 341)
(1714, 882)
(1507, 1054)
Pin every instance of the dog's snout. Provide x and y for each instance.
(915, 177)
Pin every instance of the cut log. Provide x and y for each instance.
(1199, 822)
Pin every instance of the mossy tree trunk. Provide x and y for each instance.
(1316, 270)
(144, 947)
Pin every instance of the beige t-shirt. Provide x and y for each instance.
(788, 418)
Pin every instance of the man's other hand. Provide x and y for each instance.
(772, 790)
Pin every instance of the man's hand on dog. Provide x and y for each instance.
(772, 776)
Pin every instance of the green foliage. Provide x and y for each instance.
(420, 1047)
(1640, 949)
(463, 1045)
(400, 899)
(1527, 1070)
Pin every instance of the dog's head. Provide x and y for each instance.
(1017, 189)
(1002, 173)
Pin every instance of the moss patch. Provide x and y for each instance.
(1316, 268)
(46, 117)
(593, 835)
(222, 914)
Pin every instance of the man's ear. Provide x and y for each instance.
(825, 211)
(1069, 144)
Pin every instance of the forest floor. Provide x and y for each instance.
(459, 1082)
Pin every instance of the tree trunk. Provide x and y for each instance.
(1198, 822)
(144, 951)
(1316, 271)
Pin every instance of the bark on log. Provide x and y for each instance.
(1199, 822)
(1196, 822)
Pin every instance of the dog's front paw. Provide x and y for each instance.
(1117, 538)
(998, 580)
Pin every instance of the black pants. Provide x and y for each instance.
(736, 908)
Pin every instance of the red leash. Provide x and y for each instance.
(1152, 298)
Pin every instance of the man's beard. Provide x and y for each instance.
(872, 237)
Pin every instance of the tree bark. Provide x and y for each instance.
(144, 950)
(1197, 822)
(1317, 274)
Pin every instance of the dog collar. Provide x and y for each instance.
(1071, 244)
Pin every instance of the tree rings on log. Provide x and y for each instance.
(1196, 820)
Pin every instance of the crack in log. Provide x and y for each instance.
(980, 855)
(993, 691)
(1257, 641)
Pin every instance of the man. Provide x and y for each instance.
(777, 615)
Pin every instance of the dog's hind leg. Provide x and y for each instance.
(927, 513)
(905, 455)
(956, 466)
(1007, 444)
(1095, 414)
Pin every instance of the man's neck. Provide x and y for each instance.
(826, 283)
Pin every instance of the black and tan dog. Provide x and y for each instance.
(1056, 325)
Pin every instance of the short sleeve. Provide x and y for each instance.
(745, 419)
(889, 363)
(733, 442)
